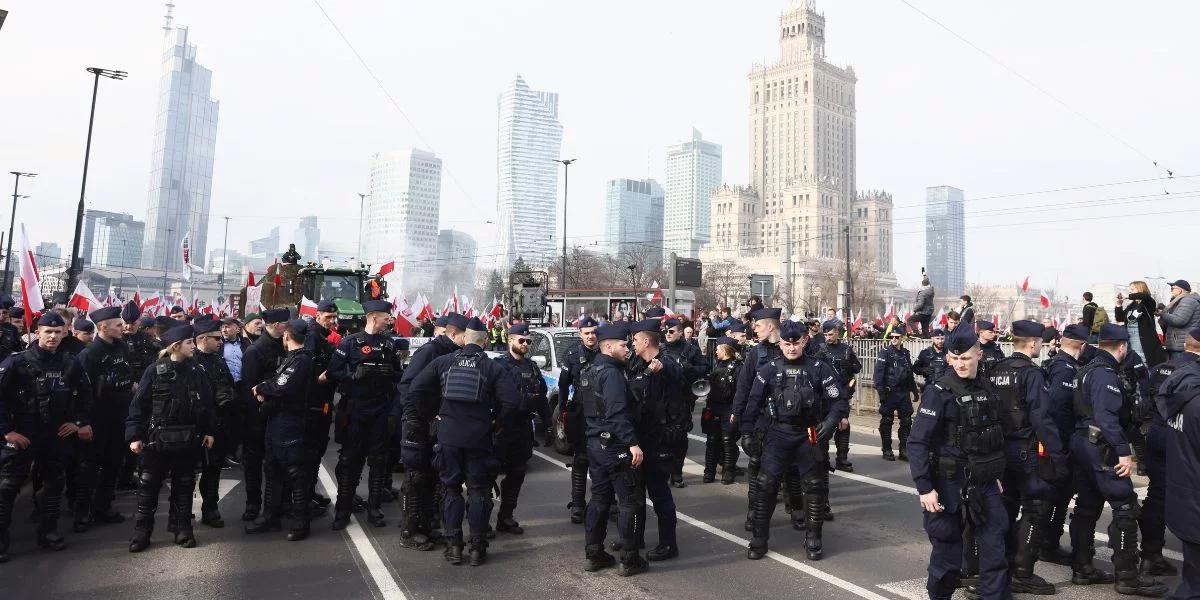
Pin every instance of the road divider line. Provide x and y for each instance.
(389, 588)
(829, 578)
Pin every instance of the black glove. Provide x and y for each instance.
(415, 434)
(826, 429)
(752, 443)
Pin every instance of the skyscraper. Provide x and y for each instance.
(307, 238)
(945, 243)
(185, 141)
(117, 242)
(456, 260)
(267, 246)
(401, 213)
(46, 253)
(528, 142)
(90, 216)
(693, 172)
(633, 217)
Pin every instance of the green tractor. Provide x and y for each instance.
(346, 287)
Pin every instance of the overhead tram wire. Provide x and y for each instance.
(1031, 83)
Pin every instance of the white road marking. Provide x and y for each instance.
(896, 487)
(389, 589)
(223, 488)
(857, 590)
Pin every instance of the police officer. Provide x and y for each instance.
(957, 460)
(170, 419)
(931, 361)
(1100, 449)
(10, 338)
(1034, 450)
(285, 401)
(143, 348)
(367, 366)
(258, 363)
(418, 492)
(737, 331)
(85, 331)
(317, 341)
(766, 330)
(45, 402)
(469, 394)
(106, 362)
(721, 445)
(992, 353)
(226, 400)
(1158, 436)
(793, 391)
(662, 398)
(1180, 410)
(842, 358)
(578, 358)
(615, 456)
(695, 367)
(514, 440)
(893, 378)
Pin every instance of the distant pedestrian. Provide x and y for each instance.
(1137, 314)
(1180, 316)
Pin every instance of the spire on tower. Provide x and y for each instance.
(168, 18)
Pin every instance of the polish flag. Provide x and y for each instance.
(278, 279)
(406, 321)
(857, 321)
(422, 308)
(83, 299)
(996, 320)
(655, 298)
(387, 267)
(941, 319)
(250, 281)
(496, 310)
(1044, 299)
(891, 312)
(31, 286)
(1025, 285)
(468, 307)
(308, 307)
(137, 297)
(150, 303)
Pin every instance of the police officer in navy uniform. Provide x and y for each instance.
(721, 444)
(1035, 454)
(10, 338)
(766, 330)
(367, 366)
(931, 361)
(663, 397)
(106, 362)
(992, 353)
(804, 401)
(1100, 449)
(956, 460)
(143, 348)
(418, 497)
(470, 395)
(514, 441)
(578, 358)
(695, 367)
(615, 456)
(1158, 436)
(893, 379)
(45, 403)
(320, 396)
(258, 363)
(843, 360)
(1061, 373)
(1179, 407)
(209, 342)
(170, 420)
(285, 400)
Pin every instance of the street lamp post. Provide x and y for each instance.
(362, 200)
(12, 221)
(566, 163)
(75, 267)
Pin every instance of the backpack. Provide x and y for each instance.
(1100, 319)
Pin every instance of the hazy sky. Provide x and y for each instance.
(300, 118)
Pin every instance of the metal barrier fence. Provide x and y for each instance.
(865, 397)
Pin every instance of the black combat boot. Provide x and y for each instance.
(9, 487)
(210, 493)
(414, 534)
(47, 534)
(347, 477)
(1132, 583)
(272, 500)
(375, 484)
(712, 456)
(301, 500)
(578, 491)
(510, 490)
(1157, 566)
(761, 508)
(143, 526)
(663, 552)
(794, 504)
(1024, 580)
(841, 440)
(904, 429)
(632, 563)
(454, 552)
(183, 510)
(1050, 551)
(815, 507)
(595, 558)
(729, 458)
(885, 438)
(477, 550)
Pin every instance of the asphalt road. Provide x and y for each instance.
(875, 549)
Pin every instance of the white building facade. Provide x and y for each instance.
(529, 139)
(693, 172)
(400, 216)
(633, 217)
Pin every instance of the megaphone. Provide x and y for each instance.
(701, 388)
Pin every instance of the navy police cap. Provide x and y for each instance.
(1110, 332)
(727, 341)
(791, 331)
(612, 331)
(276, 315)
(519, 329)
(202, 327)
(327, 306)
(656, 312)
(457, 321)
(766, 313)
(82, 324)
(178, 333)
(586, 322)
(441, 321)
(1076, 331)
(106, 313)
(737, 327)
(371, 306)
(831, 325)
(402, 344)
(474, 324)
(961, 340)
(298, 327)
(1027, 329)
(130, 312)
(164, 321)
(672, 322)
(646, 325)
(984, 326)
(937, 333)
(146, 321)
(6, 302)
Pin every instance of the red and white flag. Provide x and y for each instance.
(386, 268)
(1025, 285)
(185, 247)
(422, 309)
(83, 298)
(250, 280)
(942, 320)
(137, 297)
(31, 283)
(308, 307)
(150, 303)
(996, 321)
(1044, 299)
(468, 307)
(891, 312)
(655, 298)
(278, 279)
(857, 321)
(406, 319)
(495, 311)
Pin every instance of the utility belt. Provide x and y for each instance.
(172, 439)
(1096, 438)
(1046, 469)
(978, 469)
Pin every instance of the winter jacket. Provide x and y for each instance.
(1141, 309)
(1181, 316)
(924, 302)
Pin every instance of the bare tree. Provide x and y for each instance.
(724, 282)
(863, 281)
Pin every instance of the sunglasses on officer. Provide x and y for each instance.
(520, 340)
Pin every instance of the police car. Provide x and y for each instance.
(547, 348)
